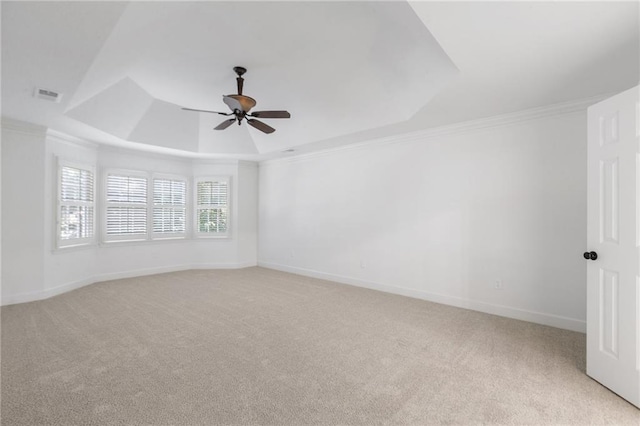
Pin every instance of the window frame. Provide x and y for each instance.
(196, 207)
(74, 242)
(106, 238)
(168, 236)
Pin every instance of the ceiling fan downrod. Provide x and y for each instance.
(240, 71)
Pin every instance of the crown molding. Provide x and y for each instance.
(23, 127)
(247, 164)
(58, 136)
(28, 128)
(106, 148)
(215, 162)
(501, 120)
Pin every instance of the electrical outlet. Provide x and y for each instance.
(292, 254)
(498, 285)
(363, 264)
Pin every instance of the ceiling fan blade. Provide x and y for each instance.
(260, 126)
(224, 124)
(204, 110)
(232, 103)
(271, 114)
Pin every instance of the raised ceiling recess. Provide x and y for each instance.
(338, 67)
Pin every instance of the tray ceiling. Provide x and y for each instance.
(347, 71)
(338, 67)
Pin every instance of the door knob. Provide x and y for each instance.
(590, 255)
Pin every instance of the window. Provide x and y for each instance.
(126, 199)
(212, 207)
(143, 206)
(75, 205)
(169, 207)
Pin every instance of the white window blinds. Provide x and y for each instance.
(126, 215)
(212, 211)
(76, 206)
(169, 207)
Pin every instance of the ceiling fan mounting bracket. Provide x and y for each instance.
(240, 70)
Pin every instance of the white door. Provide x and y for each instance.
(613, 252)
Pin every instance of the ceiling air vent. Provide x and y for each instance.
(47, 95)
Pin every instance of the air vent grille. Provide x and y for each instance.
(47, 95)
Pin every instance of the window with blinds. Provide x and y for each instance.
(212, 207)
(169, 207)
(126, 213)
(75, 206)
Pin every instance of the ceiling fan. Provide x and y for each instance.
(240, 106)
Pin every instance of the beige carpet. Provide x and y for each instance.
(256, 346)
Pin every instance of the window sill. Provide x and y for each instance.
(126, 243)
(74, 247)
(140, 242)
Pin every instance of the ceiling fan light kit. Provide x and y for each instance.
(239, 102)
(240, 105)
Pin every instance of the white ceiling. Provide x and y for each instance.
(347, 71)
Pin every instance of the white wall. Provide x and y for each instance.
(247, 211)
(442, 217)
(22, 209)
(34, 269)
(0, 219)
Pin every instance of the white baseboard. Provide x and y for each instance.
(32, 296)
(50, 292)
(239, 265)
(139, 273)
(505, 311)
(489, 308)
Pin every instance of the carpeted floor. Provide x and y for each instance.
(256, 346)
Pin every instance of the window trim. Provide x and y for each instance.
(211, 178)
(66, 244)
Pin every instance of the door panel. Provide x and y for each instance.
(609, 195)
(609, 305)
(609, 130)
(613, 279)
